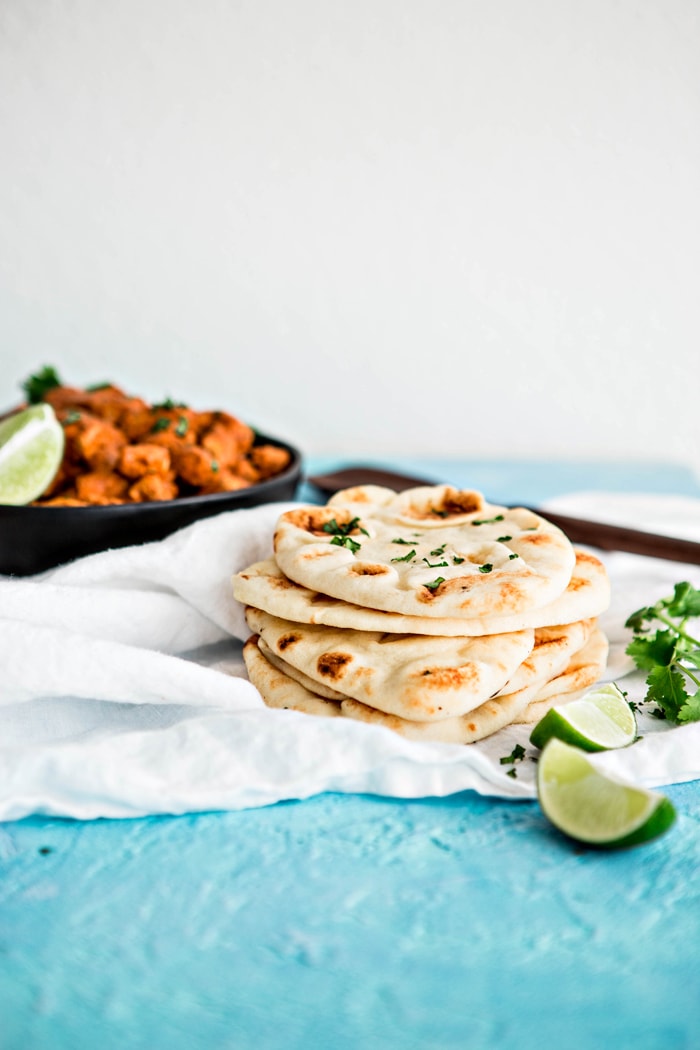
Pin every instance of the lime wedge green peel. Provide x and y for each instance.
(593, 808)
(600, 720)
(31, 450)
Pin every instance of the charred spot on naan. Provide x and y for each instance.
(440, 678)
(588, 559)
(364, 568)
(281, 583)
(431, 505)
(533, 538)
(316, 519)
(286, 640)
(314, 553)
(333, 665)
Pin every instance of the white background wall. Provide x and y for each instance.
(382, 226)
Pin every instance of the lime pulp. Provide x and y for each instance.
(598, 721)
(31, 451)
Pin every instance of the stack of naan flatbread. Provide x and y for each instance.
(431, 612)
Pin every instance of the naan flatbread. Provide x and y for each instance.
(553, 651)
(552, 654)
(264, 586)
(413, 676)
(279, 690)
(433, 551)
(320, 688)
(483, 721)
(582, 672)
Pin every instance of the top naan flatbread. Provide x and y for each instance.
(432, 551)
(264, 586)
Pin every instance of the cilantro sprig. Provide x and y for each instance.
(669, 653)
(38, 384)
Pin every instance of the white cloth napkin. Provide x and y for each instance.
(123, 690)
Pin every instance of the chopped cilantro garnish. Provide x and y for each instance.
(182, 426)
(335, 529)
(436, 564)
(512, 773)
(93, 388)
(511, 556)
(435, 584)
(169, 404)
(457, 560)
(407, 557)
(160, 424)
(71, 417)
(438, 551)
(38, 384)
(346, 541)
(503, 539)
(438, 513)
(215, 465)
(488, 521)
(485, 568)
(516, 755)
(407, 543)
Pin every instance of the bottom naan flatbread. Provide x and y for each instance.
(583, 671)
(279, 690)
(526, 705)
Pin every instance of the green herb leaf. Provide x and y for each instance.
(511, 556)
(182, 426)
(438, 551)
(485, 568)
(160, 424)
(93, 388)
(503, 539)
(656, 651)
(516, 755)
(346, 541)
(71, 417)
(685, 602)
(38, 384)
(215, 466)
(406, 557)
(335, 529)
(168, 405)
(457, 560)
(690, 711)
(667, 688)
(435, 584)
(637, 620)
(488, 521)
(407, 543)
(435, 564)
(512, 773)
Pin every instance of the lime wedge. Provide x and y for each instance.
(31, 450)
(593, 808)
(600, 720)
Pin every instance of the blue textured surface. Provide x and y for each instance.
(348, 922)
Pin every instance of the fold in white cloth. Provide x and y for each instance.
(124, 692)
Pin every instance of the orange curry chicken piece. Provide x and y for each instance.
(120, 449)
